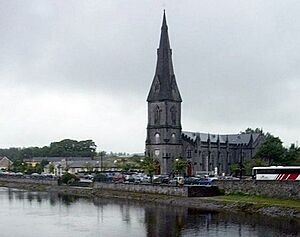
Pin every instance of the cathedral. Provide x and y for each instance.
(204, 153)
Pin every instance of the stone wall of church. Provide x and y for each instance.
(205, 158)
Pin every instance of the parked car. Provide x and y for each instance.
(205, 181)
(178, 180)
(118, 178)
(129, 179)
(103, 178)
(161, 179)
(191, 180)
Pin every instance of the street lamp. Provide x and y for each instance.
(102, 153)
(97, 165)
(59, 169)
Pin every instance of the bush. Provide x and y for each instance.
(68, 178)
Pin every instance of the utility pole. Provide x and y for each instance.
(102, 153)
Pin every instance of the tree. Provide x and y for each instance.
(254, 163)
(51, 168)
(292, 156)
(251, 130)
(68, 148)
(18, 166)
(179, 166)
(150, 165)
(234, 169)
(68, 178)
(271, 150)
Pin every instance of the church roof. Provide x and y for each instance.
(164, 86)
(242, 138)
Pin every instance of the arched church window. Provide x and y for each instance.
(173, 136)
(173, 115)
(157, 138)
(189, 153)
(157, 113)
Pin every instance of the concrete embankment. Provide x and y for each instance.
(204, 203)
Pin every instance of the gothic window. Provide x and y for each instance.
(157, 138)
(157, 113)
(189, 153)
(173, 136)
(173, 115)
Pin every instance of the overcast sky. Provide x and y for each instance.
(83, 69)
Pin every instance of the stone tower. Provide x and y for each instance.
(164, 108)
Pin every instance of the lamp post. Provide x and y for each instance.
(241, 164)
(97, 165)
(101, 160)
(59, 169)
(141, 166)
(115, 163)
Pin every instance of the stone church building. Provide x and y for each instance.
(167, 142)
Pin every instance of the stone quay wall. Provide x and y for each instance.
(28, 181)
(182, 191)
(267, 188)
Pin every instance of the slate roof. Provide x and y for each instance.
(164, 86)
(77, 163)
(232, 138)
(82, 163)
(56, 159)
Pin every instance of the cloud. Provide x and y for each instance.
(82, 69)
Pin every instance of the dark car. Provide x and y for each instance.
(197, 181)
(161, 180)
(191, 180)
(204, 181)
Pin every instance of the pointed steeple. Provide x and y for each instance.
(164, 86)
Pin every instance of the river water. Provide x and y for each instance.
(39, 214)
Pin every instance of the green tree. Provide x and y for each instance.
(150, 165)
(51, 168)
(126, 167)
(271, 150)
(18, 166)
(179, 166)
(234, 169)
(68, 178)
(292, 156)
(251, 130)
(254, 163)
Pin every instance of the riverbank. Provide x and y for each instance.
(233, 203)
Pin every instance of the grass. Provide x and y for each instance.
(259, 200)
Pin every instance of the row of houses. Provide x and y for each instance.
(57, 165)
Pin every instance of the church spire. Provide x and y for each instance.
(164, 86)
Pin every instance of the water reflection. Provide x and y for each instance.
(66, 215)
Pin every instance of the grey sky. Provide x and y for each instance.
(82, 69)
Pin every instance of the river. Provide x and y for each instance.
(40, 214)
